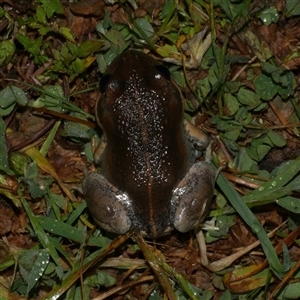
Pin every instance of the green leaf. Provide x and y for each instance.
(292, 8)
(18, 162)
(179, 78)
(225, 5)
(284, 81)
(167, 50)
(290, 203)
(258, 47)
(100, 279)
(231, 104)
(232, 8)
(268, 67)
(78, 66)
(167, 9)
(243, 115)
(19, 286)
(67, 33)
(232, 135)
(239, 205)
(116, 38)
(104, 60)
(292, 291)
(209, 57)
(265, 86)
(60, 248)
(88, 47)
(11, 95)
(7, 51)
(51, 7)
(286, 258)
(76, 213)
(213, 76)
(4, 166)
(32, 46)
(144, 32)
(38, 267)
(247, 97)
(262, 151)
(59, 200)
(232, 87)
(26, 260)
(76, 131)
(276, 139)
(274, 188)
(261, 139)
(69, 52)
(226, 296)
(41, 15)
(52, 98)
(269, 15)
(145, 26)
(286, 90)
(6, 111)
(42, 236)
(62, 229)
(245, 163)
(106, 22)
(89, 152)
(284, 167)
(44, 30)
(38, 184)
(74, 274)
(262, 106)
(204, 88)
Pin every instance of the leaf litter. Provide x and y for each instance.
(236, 63)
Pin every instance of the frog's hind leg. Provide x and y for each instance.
(193, 195)
(108, 205)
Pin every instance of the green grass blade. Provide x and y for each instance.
(243, 210)
(67, 231)
(42, 236)
(275, 185)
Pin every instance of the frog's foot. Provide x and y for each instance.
(209, 151)
(200, 138)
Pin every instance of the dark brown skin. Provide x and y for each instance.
(148, 152)
(140, 171)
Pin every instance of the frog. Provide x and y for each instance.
(150, 180)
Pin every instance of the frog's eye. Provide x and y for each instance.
(103, 82)
(164, 71)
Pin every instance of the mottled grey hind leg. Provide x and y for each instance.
(108, 205)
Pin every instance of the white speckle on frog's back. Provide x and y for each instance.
(141, 121)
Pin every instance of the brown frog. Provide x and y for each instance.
(149, 176)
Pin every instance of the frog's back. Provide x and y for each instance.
(147, 150)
